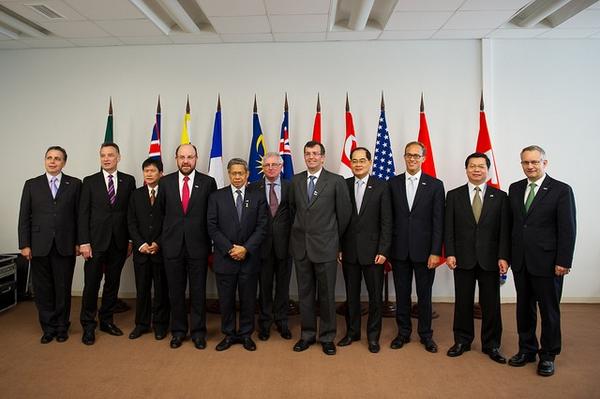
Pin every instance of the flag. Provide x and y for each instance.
(108, 134)
(317, 126)
(484, 145)
(284, 145)
(155, 151)
(257, 148)
(185, 131)
(215, 165)
(383, 159)
(349, 143)
(429, 164)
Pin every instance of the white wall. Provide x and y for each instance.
(543, 92)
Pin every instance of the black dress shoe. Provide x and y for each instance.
(199, 342)
(88, 338)
(263, 335)
(374, 346)
(328, 348)
(225, 344)
(138, 332)
(521, 359)
(430, 345)
(62, 336)
(47, 338)
(160, 333)
(176, 342)
(303, 345)
(399, 342)
(458, 349)
(545, 368)
(111, 328)
(284, 331)
(248, 344)
(347, 341)
(495, 355)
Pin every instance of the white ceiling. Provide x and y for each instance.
(120, 22)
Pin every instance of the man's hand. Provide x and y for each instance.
(145, 249)
(380, 259)
(503, 266)
(154, 248)
(433, 261)
(26, 253)
(129, 249)
(451, 262)
(561, 271)
(77, 253)
(238, 252)
(339, 257)
(86, 251)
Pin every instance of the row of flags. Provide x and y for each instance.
(383, 160)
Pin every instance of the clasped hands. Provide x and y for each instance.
(238, 252)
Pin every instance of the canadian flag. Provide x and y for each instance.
(484, 145)
(349, 144)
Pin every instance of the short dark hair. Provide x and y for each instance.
(153, 161)
(478, 155)
(179, 146)
(367, 152)
(113, 145)
(57, 148)
(423, 148)
(237, 161)
(313, 143)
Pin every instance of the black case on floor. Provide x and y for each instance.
(8, 281)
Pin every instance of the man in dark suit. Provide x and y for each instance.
(477, 232)
(145, 224)
(418, 230)
(321, 210)
(365, 247)
(186, 244)
(47, 238)
(543, 241)
(237, 221)
(275, 259)
(104, 240)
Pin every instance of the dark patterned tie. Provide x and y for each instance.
(238, 204)
(273, 203)
(112, 195)
(152, 196)
(477, 204)
(311, 187)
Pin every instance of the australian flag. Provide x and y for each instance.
(284, 149)
(383, 160)
(155, 151)
(257, 149)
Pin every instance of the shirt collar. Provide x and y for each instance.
(233, 190)
(538, 182)
(417, 175)
(472, 187)
(58, 177)
(105, 173)
(155, 190)
(277, 181)
(364, 179)
(316, 174)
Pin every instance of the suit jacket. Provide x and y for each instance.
(44, 220)
(145, 223)
(278, 226)
(225, 229)
(319, 224)
(189, 228)
(544, 236)
(99, 221)
(419, 232)
(480, 243)
(370, 230)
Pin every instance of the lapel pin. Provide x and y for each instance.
(195, 186)
(315, 193)
(369, 187)
(67, 182)
(545, 188)
(424, 183)
(491, 195)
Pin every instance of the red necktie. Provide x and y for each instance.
(185, 194)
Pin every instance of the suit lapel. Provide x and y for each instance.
(304, 187)
(402, 188)
(541, 193)
(489, 196)
(319, 187)
(465, 203)
(350, 184)
(64, 186)
(422, 185)
(367, 195)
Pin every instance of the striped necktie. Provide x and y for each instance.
(112, 195)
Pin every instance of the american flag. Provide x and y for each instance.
(383, 160)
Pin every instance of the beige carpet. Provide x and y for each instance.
(116, 367)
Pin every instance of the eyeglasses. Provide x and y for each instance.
(532, 163)
(360, 161)
(416, 157)
(271, 165)
(312, 153)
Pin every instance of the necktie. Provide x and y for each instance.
(530, 196)
(477, 204)
(360, 192)
(273, 203)
(185, 194)
(152, 196)
(112, 196)
(411, 191)
(238, 204)
(311, 187)
(53, 186)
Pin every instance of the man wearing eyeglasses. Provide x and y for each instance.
(543, 241)
(418, 229)
(276, 262)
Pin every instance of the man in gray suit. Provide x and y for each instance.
(321, 210)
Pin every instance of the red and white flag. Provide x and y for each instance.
(317, 126)
(349, 144)
(484, 145)
(429, 164)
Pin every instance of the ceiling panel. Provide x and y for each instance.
(58, 6)
(585, 19)
(204, 37)
(494, 5)
(568, 33)
(428, 5)
(299, 23)
(105, 9)
(231, 8)
(460, 34)
(131, 27)
(300, 37)
(253, 24)
(407, 34)
(468, 20)
(74, 29)
(417, 20)
(148, 40)
(48, 43)
(97, 42)
(247, 38)
(12, 45)
(516, 33)
(351, 35)
(297, 7)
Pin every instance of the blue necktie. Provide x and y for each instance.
(311, 187)
(238, 204)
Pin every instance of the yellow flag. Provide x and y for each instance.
(185, 132)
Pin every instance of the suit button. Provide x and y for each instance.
(150, 215)
(524, 226)
(150, 227)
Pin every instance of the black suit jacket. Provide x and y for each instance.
(370, 230)
(98, 219)
(544, 236)
(318, 225)
(278, 226)
(189, 228)
(44, 220)
(419, 232)
(480, 243)
(145, 223)
(226, 229)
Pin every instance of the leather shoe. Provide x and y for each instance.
(303, 345)
(263, 334)
(374, 346)
(545, 368)
(430, 345)
(62, 336)
(111, 328)
(160, 333)
(284, 331)
(248, 344)
(88, 338)
(328, 348)
(176, 342)
(458, 349)
(138, 332)
(47, 338)
(346, 341)
(399, 342)
(495, 355)
(521, 359)
(225, 344)
(199, 343)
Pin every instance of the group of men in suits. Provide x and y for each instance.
(318, 220)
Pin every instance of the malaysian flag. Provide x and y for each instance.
(383, 160)
(284, 145)
(154, 150)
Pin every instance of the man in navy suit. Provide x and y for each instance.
(103, 240)
(48, 239)
(543, 242)
(417, 235)
(237, 221)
